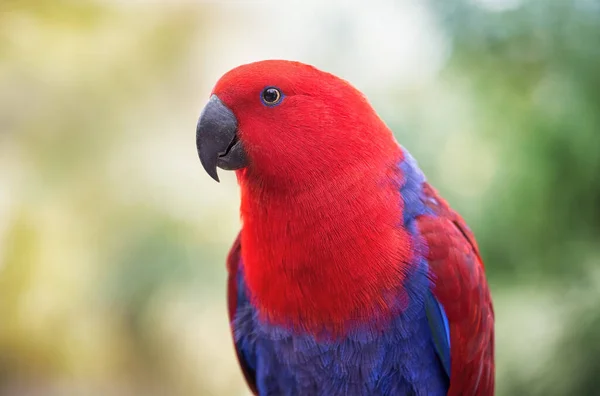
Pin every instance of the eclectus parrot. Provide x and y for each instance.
(350, 275)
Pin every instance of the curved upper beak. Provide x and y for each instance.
(216, 139)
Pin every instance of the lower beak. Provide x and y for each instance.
(216, 139)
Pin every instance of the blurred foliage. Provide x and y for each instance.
(112, 242)
(532, 70)
(104, 287)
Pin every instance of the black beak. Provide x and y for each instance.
(217, 140)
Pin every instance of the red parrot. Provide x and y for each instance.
(350, 275)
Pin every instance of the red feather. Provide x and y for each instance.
(233, 262)
(462, 289)
(322, 177)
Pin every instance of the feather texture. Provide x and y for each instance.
(461, 288)
(401, 359)
(351, 276)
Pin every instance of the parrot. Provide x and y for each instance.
(350, 275)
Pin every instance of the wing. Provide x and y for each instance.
(233, 263)
(462, 290)
(440, 331)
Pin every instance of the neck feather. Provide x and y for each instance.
(329, 257)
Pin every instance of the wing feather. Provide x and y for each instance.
(233, 263)
(462, 290)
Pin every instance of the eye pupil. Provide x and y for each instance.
(271, 95)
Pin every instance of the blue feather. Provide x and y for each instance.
(405, 358)
(438, 323)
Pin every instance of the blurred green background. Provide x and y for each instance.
(113, 240)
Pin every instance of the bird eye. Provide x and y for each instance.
(271, 96)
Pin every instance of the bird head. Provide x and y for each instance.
(287, 123)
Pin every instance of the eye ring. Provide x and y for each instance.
(271, 96)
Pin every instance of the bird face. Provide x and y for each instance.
(286, 121)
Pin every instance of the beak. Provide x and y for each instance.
(216, 139)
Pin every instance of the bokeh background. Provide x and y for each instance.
(113, 239)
